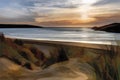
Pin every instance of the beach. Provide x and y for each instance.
(25, 59)
(60, 40)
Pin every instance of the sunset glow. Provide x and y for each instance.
(53, 13)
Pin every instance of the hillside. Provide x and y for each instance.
(114, 27)
(18, 26)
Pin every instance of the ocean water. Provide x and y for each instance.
(85, 35)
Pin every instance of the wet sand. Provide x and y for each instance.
(77, 44)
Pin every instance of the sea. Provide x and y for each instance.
(84, 35)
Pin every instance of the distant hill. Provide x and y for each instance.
(114, 27)
(18, 26)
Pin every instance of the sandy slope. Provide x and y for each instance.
(69, 70)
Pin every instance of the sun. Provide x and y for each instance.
(89, 2)
(87, 19)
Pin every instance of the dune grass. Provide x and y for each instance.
(107, 66)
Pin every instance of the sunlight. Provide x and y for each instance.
(85, 14)
(89, 2)
(85, 19)
(85, 11)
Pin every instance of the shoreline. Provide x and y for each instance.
(65, 43)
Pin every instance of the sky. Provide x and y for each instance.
(60, 13)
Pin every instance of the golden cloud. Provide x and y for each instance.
(65, 21)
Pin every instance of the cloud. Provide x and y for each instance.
(106, 20)
(28, 10)
(15, 12)
(105, 2)
(63, 22)
(56, 13)
(59, 12)
(53, 3)
(59, 23)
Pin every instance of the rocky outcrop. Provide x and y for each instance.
(114, 27)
